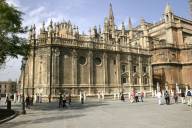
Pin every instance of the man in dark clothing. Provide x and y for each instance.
(64, 101)
(69, 98)
(183, 97)
(167, 100)
(122, 97)
(60, 100)
(27, 102)
(82, 99)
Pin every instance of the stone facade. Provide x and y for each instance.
(109, 60)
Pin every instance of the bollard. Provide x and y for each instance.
(9, 105)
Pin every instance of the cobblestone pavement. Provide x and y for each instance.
(108, 114)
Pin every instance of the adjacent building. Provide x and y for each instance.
(8, 87)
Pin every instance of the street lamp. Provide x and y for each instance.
(23, 99)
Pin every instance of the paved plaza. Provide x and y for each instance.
(106, 114)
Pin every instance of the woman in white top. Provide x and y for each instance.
(159, 97)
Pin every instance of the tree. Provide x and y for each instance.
(10, 27)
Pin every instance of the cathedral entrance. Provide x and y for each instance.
(159, 78)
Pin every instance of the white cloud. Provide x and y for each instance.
(40, 14)
(37, 11)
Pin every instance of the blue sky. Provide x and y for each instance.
(86, 14)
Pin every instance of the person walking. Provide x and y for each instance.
(142, 96)
(60, 100)
(189, 97)
(159, 98)
(136, 97)
(175, 96)
(27, 102)
(167, 99)
(64, 101)
(69, 98)
(182, 97)
(132, 97)
(82, 99)
(122, 97)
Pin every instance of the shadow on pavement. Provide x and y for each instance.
(73, 106)
(39, 120)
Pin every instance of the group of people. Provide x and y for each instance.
(63, 100)
(167, 97)
(134, 97)
(29, 102)
(186, 97)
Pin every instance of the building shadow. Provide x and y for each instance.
(39, 120)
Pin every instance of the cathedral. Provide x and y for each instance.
(109, 60)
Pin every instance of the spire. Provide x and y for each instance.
(43, 27)
(99, 30)
(123, 28)
(51, 23)
(34, 27)
(130, 24)
(111, 12)
(111, 17)
(168, 14)
(142, 22)
(168, 9)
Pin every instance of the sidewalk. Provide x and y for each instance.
(108, 114)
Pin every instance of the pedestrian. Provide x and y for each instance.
(175, 96)
(159, 98)
(182, 97)
(189, 97)
(82, 99)
(132, 97)
(136, 97)
(27, 102)
(60, 100)
(142, 96)
(8, 102)
(69, 98)
(167, 99)
(40, 98)
(49, 98)
(99, 96)
(122, 97)
(31, 101)
(64, 101)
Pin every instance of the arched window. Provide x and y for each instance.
(144, 69)
(135, 80)
(145, 80)
(123, 80)
(123, 68)
(134, 69)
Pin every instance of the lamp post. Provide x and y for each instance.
(23, 99)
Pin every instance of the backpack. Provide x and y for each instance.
(188, 93)
(166, 94)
